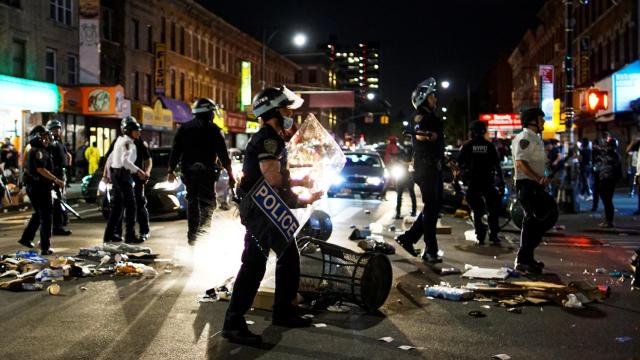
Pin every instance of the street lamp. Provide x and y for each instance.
(299, 40)
(371, 96)
(445, 84)
(444, 109)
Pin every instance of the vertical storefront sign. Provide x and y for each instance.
(245, 86)
(546, 91)
(160, 71)
(89, 29)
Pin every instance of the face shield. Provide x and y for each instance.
(422, 91)
(292, 100)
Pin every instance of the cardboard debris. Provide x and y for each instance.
(486, 273)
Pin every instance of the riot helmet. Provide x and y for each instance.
(612, 143)
(53, 124)
(424, 89)
(37, 135)
(205, 108)
(267, 102)
(478, 128)
(129, 124)
(530, 117)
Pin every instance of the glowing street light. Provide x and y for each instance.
(371, 96)
(444, 109)
(300, 40)
(445, 84)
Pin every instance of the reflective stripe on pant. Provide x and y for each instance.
(41, 201)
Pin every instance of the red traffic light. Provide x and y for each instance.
(597, 100)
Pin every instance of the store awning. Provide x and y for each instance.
(23, 94)
(328, 99)
(181, 110)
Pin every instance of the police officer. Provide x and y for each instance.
(122, 169)
(145, 162)
(196, 146)
(540, 209)
(39, 180)
(405, 181)
(61, 159)
(428, 140)
(265, 157)
(480, 166)
(610, 166)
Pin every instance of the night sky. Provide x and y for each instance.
(457, 40)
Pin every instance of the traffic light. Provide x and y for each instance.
(384, 119)
(597, 100)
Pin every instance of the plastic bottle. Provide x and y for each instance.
(448, 293)
(31, 287)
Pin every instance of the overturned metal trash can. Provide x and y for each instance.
(331, 271)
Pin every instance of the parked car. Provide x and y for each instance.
(364, 173)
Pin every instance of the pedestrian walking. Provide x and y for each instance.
(196, 147)
(82, 165)
(39, 180)
(122, 170)
(610, 164)
(428, 141)
(598, 151)
(479, 164)
(540, 208)
(265, 158)
(586, 166)
(92, 154)
(61, 160)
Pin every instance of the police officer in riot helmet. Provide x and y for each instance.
(540, 208)
(196, 147)
(428, 141)
(265, 157)
(121, 171)
(39, 180)
(61, 159)
(480, 167)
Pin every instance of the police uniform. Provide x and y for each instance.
(196, 146)
(406, 183)
(427, 160)
(480, 163)
(122, 170)
(266, 144)
(58, 153)
(39, 192)
(528, 146)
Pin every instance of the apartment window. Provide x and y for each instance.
(136, 85)
(182, 35)
(196, 51)
(224, 60)
(210, 55)
(172, 85)
(189, 44)
(313, 76)
(60, 11)
(147, 88)
(19, 56)
(135, 32)
(72, 69)
(50, 66)
(149, 39)
(173, 36)
(217, 57)
(182, 87)
(107, 24)
(163, 30)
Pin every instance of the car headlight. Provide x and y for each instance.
(398, 172)
(338, 180)
(375, 181)
(386, 173)
(165, 185)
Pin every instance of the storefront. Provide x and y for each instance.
(236, 126)
(502, 126)
(22, 104)
(157, 123)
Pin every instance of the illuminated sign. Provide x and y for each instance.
(23, 94)
(103, 100)
(236, 122)
(546, 90)
(252, 127)
(501, 122)
(160, 71)
(245, 85)
(626, 86)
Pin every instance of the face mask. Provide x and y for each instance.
(287, 123)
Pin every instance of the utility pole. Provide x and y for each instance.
(568, 202)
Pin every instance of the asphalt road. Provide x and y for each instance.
(160, 318)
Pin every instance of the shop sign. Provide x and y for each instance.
(156, 117)
(626, 86)
(71, 100)
(546, 73)
(23, 94)
(89, 31)
(235, 122)
(103, 100)
(160, 70)
(245, 85)
(501, 122)
(252, 127)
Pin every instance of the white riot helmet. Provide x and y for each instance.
(419, 95)
(274, 98)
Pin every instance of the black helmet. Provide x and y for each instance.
(612, 143)
(206, 107)
(273, 98)
(37, 134)
(529, 116)
(424, 89)
(478, 128)
(128, 124)
(53, 123)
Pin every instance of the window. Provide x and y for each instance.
(135, 32)
(147, 88)
(217, 57)
(136, 85)
(188, 44)
(12, 3)
(72, 69)
(19, 56)
(173, 36)
(60, 11)
(149, 39)
(182, 86)
(50, 66)
(172, 84)
(107, 24)
(313, 76)
(182, 38)
(163, 30)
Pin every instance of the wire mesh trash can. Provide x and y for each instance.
(332, 271)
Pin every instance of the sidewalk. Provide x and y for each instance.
(74, 195)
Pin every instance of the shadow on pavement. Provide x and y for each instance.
(486, 250)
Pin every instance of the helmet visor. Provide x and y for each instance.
(292, 100)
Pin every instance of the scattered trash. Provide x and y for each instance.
(449, 271)
(338, 308)
(376, 228)
(501, 357)
(605, 290)
(386, 339)
(392, 228)
(83, 288)
(31, 287)
(572, 302)
(307, 316)
(367, 211)
(623, 339)
(250, 322)
(515, 310)
(601, 270)
(50, 275)
(320, 325)
(206, 299)
(448, 293)
(477, 314)
(615, 274)
(409, 347)
(358, 234)
(486, 307)
(53, 289)
(485, 273)
(168, 271)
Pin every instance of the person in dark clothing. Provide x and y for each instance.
(479, 163)
(266, 161)
(428, 140)
(610, 164)
(634, 146)
(9, 156)
(39, 180)
(585, 156)
(404, 180)
(61, 159)
(196, 147)
(597, 152)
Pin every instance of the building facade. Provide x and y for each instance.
(356, 67)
